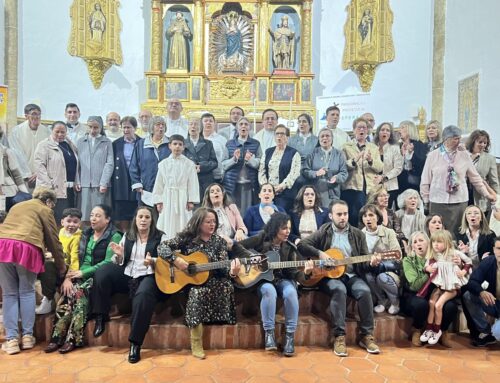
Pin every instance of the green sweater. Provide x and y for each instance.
(415, 275)
(86, 267)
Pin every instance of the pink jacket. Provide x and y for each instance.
(234, 216)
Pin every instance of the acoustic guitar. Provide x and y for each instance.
(334, 267)
(170, 279)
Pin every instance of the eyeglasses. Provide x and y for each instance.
(280, 134)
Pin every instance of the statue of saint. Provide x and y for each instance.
(365, 27)
(283, 45)
(233, 37)
(97, 24)
(178, 32)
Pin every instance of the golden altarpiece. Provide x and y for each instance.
(213, 55)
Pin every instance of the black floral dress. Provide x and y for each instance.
(212, 302)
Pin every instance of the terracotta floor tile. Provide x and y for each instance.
(58, 378)
(164, 374)
(483, 366)
(263, 356)
(73, 365)
(459, 372)
(421, 365)
(365, 376)
(295, 362)
(3, 377)
(332, 371)
(138, 368)
(195, 379)
(298, 377)
(262, 379)
(96, 374)
(431, 377)
(395, 372)
(488, 377)
(27, 374)
(195, 366)
(229, 375)
(225, 360)
(358, 364)
(170, 360)
(107, 360)
(127, 379)
(11, 364)
(264, 369)
(44, 359)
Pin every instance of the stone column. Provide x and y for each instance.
(306, 31)
(198, 37)
(263, 38)
(156, 36)
(11, 59)
(438, 59)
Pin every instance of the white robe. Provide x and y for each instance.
(176, 184)
(23, 141)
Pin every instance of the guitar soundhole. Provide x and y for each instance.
(191, 269)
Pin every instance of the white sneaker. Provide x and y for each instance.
(28, 341)
(426, 335)
(435, 337)
(45, 306)
(393, 309)
(379, 309)
(11, 346)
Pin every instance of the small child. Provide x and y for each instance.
(447, 276)
(69, 236)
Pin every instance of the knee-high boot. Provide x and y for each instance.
(197, 342)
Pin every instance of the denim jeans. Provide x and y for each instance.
(18, 293)
(477, 310)
(268, 293)
(383, 288)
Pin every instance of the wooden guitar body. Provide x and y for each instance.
(252, 274)
(327, 272)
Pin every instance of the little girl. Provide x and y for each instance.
(447, 276)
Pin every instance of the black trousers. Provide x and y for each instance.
(418, 309)
(48, 279)
(109, 280)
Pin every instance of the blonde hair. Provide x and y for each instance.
(44, 194)
(412, 129)
(443, 236)
(414, 235)
(484, 227)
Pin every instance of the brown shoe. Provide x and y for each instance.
(415, 338)
(51, 347)
(368, 343)
(339, 346)
(67, 347)
(445, 339)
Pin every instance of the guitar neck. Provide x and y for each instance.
(293, 264)
(212, 266)
(318, 262)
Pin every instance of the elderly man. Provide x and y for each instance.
(113, 130)
(76, 129)
(371, 125)
(24, 139)
(332, 121)
(266, 135)
(175, 123)
(144, 118)
(231, 132)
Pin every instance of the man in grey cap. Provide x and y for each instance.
(443, 185)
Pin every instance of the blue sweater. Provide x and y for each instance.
(253, 221)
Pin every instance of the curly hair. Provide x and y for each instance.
(192, 229)
(45, 194)
(277, 222)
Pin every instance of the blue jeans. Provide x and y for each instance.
(383, 288)
(18, 293)
(287, 290)
(477, 310)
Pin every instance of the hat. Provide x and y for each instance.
(451, 131)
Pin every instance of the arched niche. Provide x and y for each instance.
(294, 24)
(169, 17)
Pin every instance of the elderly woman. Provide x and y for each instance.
(475, 238)
(415, 277)
(390, 155)
(208, 132)
(414, 152)
(478, 145)
(433, 135)
(95, 151)
(148, 152)
(28, 230)
(11, 179)
(383, 279)
(56, 167)
(124, 198)
(304, 140)
(444, 177)
(241, 178)
(411, 217)
(364, 164)
(308, 214)
(231, 224)
(212, 302)
(202, 153)
(258, 215)
(281, 168)
(380, 198)
(326, 168)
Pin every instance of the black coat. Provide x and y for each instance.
(120, 181)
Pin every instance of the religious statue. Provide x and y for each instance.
(283, 45)
(365, 27)
(97, 24)
(231, 44)
(178, 32)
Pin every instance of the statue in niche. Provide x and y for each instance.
(365, 27)
(178, 34)
(231, 44)
(97, 24)
(283, 45)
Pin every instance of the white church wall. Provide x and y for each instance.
(401, 86)
(471, 28)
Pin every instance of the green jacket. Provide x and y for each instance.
(414, 273)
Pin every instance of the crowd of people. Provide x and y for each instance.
(394, 223)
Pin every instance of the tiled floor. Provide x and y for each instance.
(398, 363)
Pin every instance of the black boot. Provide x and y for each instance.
(100, 326)
(270, 342)
(289, 347)
(134, 355)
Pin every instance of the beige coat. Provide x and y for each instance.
(487, 168)
(355, 179)
(50, 167)
(10, 176)
(393, 166)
